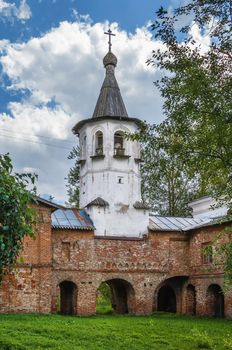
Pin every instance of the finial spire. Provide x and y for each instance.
(110, 34)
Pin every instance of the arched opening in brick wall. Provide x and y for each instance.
(120, 295)
(68, 298)
(104, 299)
(168, 295)
(215, 301)
(166, 299)
(190, 300)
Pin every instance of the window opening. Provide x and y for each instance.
(120, 179)
(207, 253)
(118, 144)
(99, 143)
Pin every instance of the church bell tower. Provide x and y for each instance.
(110, 188)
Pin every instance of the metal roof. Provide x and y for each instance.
(110, 101)
(169, 223)
(100, 202)
(50, 204)
(72, 219)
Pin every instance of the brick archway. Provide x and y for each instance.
(168, 295)
(215, 301)
(190, 300)
(166, 300)
(68, 298)
(123, 295)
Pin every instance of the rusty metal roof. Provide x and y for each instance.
(72, 219)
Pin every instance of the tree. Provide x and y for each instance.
(197, 90)
(73, 178)
(16, 215)
(167, 185)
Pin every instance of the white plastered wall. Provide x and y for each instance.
(116, 180)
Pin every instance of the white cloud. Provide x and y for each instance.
(10, 10)
(24, 11)
(201, 39)
(65, 66)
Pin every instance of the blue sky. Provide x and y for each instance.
(45, 14)
(51, 73)
(129, 14)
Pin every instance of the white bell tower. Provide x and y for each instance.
(110, 164)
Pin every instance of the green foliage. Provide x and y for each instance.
(197, 91)
(202, 338)
(73, 178)
(16, 217)
(104, 299)
(167, 184)
(222, 253)
(160, 331)
(104, 292)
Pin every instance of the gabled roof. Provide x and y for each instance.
(72, 219)
(169, 223)
(100, 202)
(47, 203)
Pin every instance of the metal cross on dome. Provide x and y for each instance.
(110, 34)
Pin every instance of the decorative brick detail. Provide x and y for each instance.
(70, 264)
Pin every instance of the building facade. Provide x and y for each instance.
(150, 262)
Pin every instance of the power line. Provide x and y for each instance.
(40, 143)
(45, 137)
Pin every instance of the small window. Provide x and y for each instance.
(99, 143)
(207, 253)
(120, 179)
(119, 143)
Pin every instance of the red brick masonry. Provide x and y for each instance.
(164, 271)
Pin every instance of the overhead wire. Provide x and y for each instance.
(37, 142)
(42, 136)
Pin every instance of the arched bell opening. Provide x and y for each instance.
(99, 143)
(68, 298)
(119, 144)
(215, 301)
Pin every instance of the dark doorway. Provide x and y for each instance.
(215, 301)
(190, 300)
(120, 296)
(166, 299)
(68, 298)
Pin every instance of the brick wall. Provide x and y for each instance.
(137, 267)
(28, 287)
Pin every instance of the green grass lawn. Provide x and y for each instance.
(159, 331)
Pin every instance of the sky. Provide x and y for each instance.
(51, 73)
